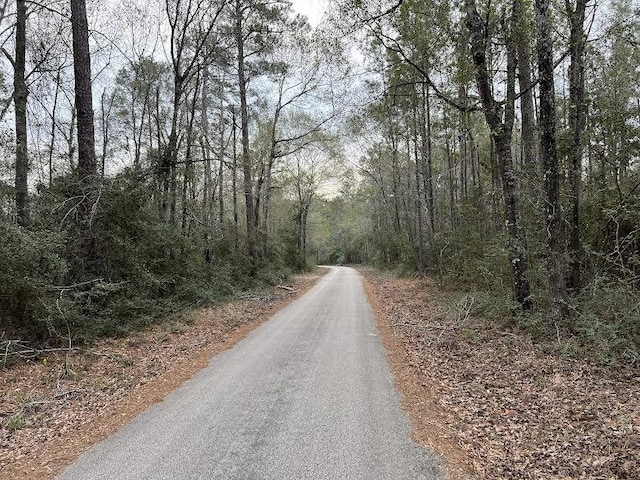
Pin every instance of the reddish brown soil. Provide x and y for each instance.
(69, 402)
(492, 404)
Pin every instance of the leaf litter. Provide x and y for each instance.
(494, 405)
(56, 406)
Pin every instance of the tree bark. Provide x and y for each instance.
(20, 102)
(206, 154)
(427, 170)
(54, 126)
(577, 120)
(247, 167)
(85, 262)
(550, 159)
(418, 183)
(87, 167)
(221, 162)
(523, 45)
(501, 132)
(105, 118)
(267, 179)
(234, 181)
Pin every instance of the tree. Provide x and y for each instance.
(305, 173)
(500, 121)
(251, 24)
(305, 69)
(192, 27)
(134, 99)
(20, 94)
(577, 120)
(247, 167)
(85, 263)
(549, 155)
(522, 37)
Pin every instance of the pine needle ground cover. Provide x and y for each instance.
(54, 407)
(494, 403)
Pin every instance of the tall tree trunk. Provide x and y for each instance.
(54, 126)
(577, 120)
(266, 204)
(171, 154)
(247, 167)
(71, 146)
(86, 262)
(221, 163)
(501, 132)
(418, 187)
(20, 102)
(452, 182)
(87, 167)
(550, 158)
(234, 181)
(394, 182)
(206, 155)
(188, 167)
(105, 117)
(427, 169)
(523, 45)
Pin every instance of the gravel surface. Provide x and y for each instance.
(307, 395)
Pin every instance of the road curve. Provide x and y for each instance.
(308, 395)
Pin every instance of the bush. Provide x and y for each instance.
(607, 322)
(146, 267)
(32, 264)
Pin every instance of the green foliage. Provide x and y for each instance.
(341, 235)
(16, 422)
(148, 267)
(603, 324)
(607, 322)
(32, 263)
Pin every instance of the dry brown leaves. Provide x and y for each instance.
(505, 407)
(68, 402)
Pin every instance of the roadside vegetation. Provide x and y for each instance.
(466, 178)
(490, 149)
(144, 174)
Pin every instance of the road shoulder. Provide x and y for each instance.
(430, 422)
(494, 403)
(64, 403)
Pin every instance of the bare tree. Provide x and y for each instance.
(192, 26)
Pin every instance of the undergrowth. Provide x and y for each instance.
(602, 326)
(148, 268)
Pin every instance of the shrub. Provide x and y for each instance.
(32, 264)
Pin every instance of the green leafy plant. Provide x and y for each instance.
(16, 422)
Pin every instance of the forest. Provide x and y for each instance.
(164, 155)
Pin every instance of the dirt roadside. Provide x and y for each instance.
(53, 409)
(492, 404)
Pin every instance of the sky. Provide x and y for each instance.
(312, 9)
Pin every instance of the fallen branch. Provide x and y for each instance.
(288, 289)
(415, 325)
(26, 352)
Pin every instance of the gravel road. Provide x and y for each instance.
(308, 395)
